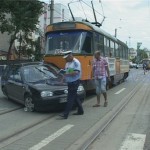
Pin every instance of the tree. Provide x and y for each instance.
(141, 55)
(38, 55)
(19, 15)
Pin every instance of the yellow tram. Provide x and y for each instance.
(83, 39)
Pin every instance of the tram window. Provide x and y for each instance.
(62, 41)
(120, 51)
(116, 50)
(124, 53)
(112, 46)
(86, 49)
(106, 47)
(99, 42)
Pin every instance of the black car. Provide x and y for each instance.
(35, 85)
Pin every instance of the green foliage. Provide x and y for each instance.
(141, 54)
(19, 15)
(38, 55)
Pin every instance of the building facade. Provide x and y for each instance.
(132, 53)
(61, 14)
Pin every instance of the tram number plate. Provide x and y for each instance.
(63, 100)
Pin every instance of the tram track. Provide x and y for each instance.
(89, 137)
(4, 141)
(10, 110)
(119, 108)
(7, 140)
(25, 131)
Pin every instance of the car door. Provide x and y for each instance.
(19, 86)
(10, 82)
(16, 86)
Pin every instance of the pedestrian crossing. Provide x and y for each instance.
(133, 141)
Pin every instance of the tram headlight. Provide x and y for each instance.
(46, 94)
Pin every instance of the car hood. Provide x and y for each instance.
(47, 86)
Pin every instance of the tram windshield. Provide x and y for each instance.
(76, 41)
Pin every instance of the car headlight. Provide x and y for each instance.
(66, 91)
(46, 93)
(80, 88)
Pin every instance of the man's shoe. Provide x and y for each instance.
(63, 116)
(78, 113)
(105, 104)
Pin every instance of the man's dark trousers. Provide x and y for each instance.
(73, 98)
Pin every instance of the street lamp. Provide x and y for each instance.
(138, 50)
(129, 42)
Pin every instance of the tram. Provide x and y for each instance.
(83, 39)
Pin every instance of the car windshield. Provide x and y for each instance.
(40, 73)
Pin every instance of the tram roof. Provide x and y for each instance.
(96, 28)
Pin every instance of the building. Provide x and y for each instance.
(132, 53)
(4, 45)
(61, 14)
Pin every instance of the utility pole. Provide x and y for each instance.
(51, 11)
(129, 46)
(115, 32)
(138, 51)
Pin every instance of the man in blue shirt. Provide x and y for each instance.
(72, 76)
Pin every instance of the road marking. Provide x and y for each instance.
(51, 137)
(133, 142)
(120, 91)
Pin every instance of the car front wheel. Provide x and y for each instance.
(28, 102)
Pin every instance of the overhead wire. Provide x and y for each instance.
(61, 14)
(79, 7)
(102, 7)
(91, 8)
(83, 9)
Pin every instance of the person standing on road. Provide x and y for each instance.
(144, 67)
(72, 76)
(100, 73)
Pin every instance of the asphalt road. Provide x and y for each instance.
(130, 129)
(22, 130)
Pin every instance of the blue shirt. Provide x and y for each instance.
(74, 65)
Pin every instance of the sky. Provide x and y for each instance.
(131, 18)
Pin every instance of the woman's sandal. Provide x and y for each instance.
(96, 105)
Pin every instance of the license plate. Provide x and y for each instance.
(63, 100)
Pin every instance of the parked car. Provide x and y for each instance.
(139, 66)
(133, 65)
(37, 86)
